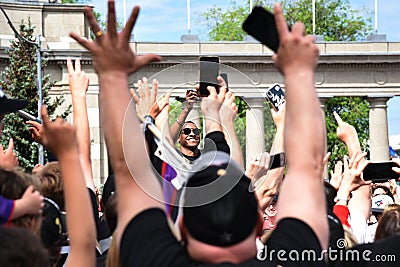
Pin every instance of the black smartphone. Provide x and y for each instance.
(208, 73)
(225, 77)
(275, 96)
(261, 25)
(380, 171)
(277, 161)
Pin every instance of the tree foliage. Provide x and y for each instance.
(336, 20)
(20, 81)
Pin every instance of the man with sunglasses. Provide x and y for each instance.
(189, 139)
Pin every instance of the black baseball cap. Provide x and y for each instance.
(8, 105)
(52, 224)
(220, 208)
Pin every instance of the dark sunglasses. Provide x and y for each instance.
(187, 131)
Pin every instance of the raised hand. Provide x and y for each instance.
(191, 98)
(352, 172)
(337, 175)
(162, 111)
(37, 132)
(228, 110)
(111, 51)
(32, 201)
(61, 136)
(258, 166)
(296, 51)
(146, 102)
(279, 116)
(77, 79)
(212, 103)
(8, 158)
(344, 131)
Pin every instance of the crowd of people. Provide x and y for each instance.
(170, 203)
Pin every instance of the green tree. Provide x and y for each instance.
(21, 83)
(336, 20)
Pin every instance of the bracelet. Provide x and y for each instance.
(337, 198)
(180, 123)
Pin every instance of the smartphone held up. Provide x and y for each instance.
(261, 25)
(380, 171)
(275, 96)
(208, 73)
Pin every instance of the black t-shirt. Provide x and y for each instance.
(148, 241)
(385, 252)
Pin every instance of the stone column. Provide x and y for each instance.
(254, 127)
(378, 129)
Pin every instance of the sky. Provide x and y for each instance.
(166, 21)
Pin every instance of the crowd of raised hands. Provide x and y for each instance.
(126, 114)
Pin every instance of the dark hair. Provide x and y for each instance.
(12, 186)
(330, 194)
(389, 222)
(384, 188)
(111, 212)
(52, 183)
(19, 248)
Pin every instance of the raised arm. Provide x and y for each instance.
(62, 141)
(272, 181)
(304, 133)
(348, 134)
(361, 195)
(114, 61)
(210, 107)
(78, 86)
(191, 96)
(227, 114)
(8, 158)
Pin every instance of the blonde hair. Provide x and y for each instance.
(113, 254)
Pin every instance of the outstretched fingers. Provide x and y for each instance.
(45, 117)
(337, 118)
(126, 32)
(143, 60)
(111, 20)
(280, 22)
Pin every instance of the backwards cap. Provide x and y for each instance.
(380, 202)
(219, 208)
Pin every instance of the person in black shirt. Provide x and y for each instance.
(189, 139)
(220, 215)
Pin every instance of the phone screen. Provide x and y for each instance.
(261, 25)
(276, 96)
(380, 171)
(209, 70)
